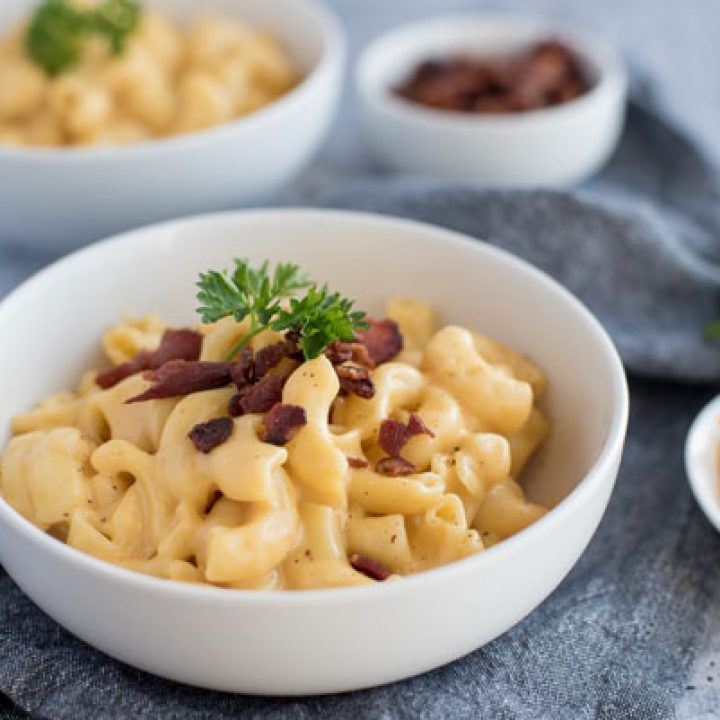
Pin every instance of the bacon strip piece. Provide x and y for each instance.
(269, 356)
(355, 380)
(243, 372)
(282, 422)
(184, 377)
(209, 435)
(257, 398)
(138, 363)
(382, 339)
(394, 434)
(357, 463)
(369, 566)
(338, 352)
(180, 344)
(394, 467)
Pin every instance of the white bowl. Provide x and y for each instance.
(702, 460)
(317, 641)
(556, 146)
(64, 197)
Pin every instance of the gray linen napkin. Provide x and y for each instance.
(622, 633)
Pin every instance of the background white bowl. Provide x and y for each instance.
(65, 197)
(325, 640)
(556, 146)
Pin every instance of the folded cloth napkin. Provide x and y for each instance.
(626, 634)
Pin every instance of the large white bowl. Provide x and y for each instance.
(557, 146)
(61, 198)
(325, 640)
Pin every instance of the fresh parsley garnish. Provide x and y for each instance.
(57, 30)
(268, 300)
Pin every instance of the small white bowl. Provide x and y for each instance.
(60, 198)
(556, 146)
(318, 641)
(702, 460)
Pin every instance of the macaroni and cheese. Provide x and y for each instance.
(381, 470)
(169, 79)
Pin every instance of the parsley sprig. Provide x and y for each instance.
(268, 299)
(57, 29)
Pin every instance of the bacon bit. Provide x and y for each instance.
(234, 407)
(382, 339)
(184, 377)
(395, 434)
(139, 363)
(357, 463)
(339, 352)
(243, 372)
(208, 435)
(368, 566)
(355, 380)
(261, 396)
(269, 356)
(282, 422)
(181, 344)
(394, 467)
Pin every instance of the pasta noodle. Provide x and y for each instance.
(169, 80)
(123, 481)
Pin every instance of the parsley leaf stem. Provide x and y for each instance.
(270, 300)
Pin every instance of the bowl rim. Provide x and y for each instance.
(608, 456)
(333, 56)
(612, 75)
(703, 430)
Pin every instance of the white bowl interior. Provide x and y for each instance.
(291, 22)
(702, 460)
(53, 323)
(391, 58)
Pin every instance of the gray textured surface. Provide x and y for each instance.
(634, 631)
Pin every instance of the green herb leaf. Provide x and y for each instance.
(712, 332)
(319, 316)
(117, 20)
(54, 36)
(57, 30)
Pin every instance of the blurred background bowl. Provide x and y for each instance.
(63, 197)
(555, 146)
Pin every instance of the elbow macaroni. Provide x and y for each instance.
(169, 80)
(124, 483)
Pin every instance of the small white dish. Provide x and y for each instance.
(318, 641)
(557, 146)
(702, 460)
(60, 198)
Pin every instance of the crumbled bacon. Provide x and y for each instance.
(181, 344)
(394, 434)
(139, 363)
(282, 422)
(243, 372)
(382, 340)
(394, 467)
(184, 377)
(234, 407)
(269, 356)
(339, 352)
(357, 463)
(209, 435)
(260, 397)
(355, 380)
(369, 566)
